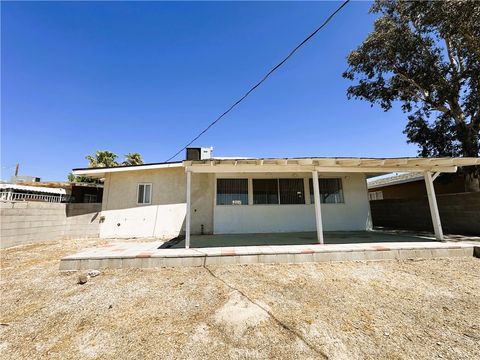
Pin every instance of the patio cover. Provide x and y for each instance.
(429, 167)
(330, 164)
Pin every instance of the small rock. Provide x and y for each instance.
(110, 306)
(197, 305)
(439, 343)
(82, 279)
(386, 333)
(93, 273)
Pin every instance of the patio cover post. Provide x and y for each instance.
(432, 202)
(318, 208)
(187, 220)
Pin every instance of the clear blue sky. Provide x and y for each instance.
(146, 77)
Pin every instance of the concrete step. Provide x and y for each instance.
(147, 255)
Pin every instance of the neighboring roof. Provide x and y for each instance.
(331, 164)
(63, 184)
(394, 180)
(325, 164)
(33, 188)
(100, 172)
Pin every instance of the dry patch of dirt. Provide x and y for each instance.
(355, 310)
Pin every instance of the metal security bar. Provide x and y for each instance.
(232, 192)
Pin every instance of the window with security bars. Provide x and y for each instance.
(291, 191)
(232, 192)
(278, 191)
(265, 191)
(331, 191)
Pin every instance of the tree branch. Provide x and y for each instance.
(426, 94)
(453, 62)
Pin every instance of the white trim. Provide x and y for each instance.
(306, 186)
(100, 172)
(151, 191)
(250, 191)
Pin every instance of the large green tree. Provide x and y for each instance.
(425, 57)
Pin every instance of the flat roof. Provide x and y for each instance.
(394, 180)
(33, 188)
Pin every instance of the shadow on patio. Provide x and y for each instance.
(297, 238)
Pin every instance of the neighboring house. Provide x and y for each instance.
(16, 192)
(412, 186)
(249, 195)
(17, 179)
(72, 192)
(79, 192)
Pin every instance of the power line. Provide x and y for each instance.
(327, 20)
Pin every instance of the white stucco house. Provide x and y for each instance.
(228, 196)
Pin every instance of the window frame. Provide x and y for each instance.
(302, 185)
(277, 188)
(138, 191)
(312, 195)
(215, 198)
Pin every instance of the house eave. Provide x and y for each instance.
(101, 172)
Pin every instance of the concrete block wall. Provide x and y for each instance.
(459, 213)
(29, 222)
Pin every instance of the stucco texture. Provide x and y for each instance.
(165, 217)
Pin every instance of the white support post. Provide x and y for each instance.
(432, 202)
(318, 208)
(187, 220)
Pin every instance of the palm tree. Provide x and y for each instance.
(133, 159)
(102, 158)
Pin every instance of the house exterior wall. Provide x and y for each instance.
(122, 217)
(165, 217)
(353, 214)
(416, 189)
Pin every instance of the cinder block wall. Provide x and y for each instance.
(459, 213)
(30, 222)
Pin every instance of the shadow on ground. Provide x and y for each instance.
(298, 238)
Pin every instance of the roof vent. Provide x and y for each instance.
(201, 153)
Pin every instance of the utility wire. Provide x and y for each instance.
(327, 20)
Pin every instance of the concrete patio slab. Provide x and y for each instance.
(152, 254)
(300, 238)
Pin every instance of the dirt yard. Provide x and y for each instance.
(357, 310)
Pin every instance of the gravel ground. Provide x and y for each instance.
(355, 310)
